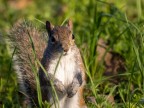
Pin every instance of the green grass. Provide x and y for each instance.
(120, 23)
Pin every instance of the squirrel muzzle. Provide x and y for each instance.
(65, 48)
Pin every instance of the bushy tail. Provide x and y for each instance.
(29, 43)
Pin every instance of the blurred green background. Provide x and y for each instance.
(110, 35)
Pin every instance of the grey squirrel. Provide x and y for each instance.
(61, 59)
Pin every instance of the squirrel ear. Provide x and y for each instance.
(49, 26)
(70, 24)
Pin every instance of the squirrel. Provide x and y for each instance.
(59, 56)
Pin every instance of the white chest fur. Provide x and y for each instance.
(65, 71)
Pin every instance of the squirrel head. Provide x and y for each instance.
(60, 37)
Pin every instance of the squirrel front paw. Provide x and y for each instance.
(72, 90)
(59, 86)
(74, 86)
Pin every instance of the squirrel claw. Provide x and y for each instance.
(71, 94)
(72, 90)
(60, 87)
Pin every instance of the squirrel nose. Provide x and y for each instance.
(65, 49)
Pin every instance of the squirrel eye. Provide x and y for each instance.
(53, 39)
(73, 36)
